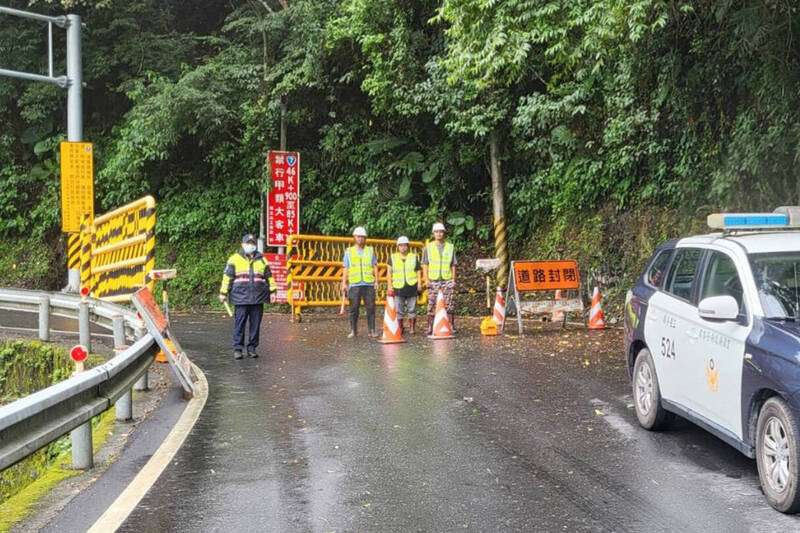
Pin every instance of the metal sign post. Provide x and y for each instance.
(158, 327)
(486, 266)
(72, 81)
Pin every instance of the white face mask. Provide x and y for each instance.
(249, 248)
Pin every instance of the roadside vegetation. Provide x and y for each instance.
(617, 123)
(25, 367)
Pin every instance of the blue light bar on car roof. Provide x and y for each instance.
(748, 220)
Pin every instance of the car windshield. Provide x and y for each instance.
(778, 280)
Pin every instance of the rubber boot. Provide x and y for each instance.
(412, 323)
(452, 318)
(430, 325)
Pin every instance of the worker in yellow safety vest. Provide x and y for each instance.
(403, 271)
(439, 270)
(360, 280)
(247, 282)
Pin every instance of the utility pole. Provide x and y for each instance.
(499, 210)
(281, 249)
(72, 82)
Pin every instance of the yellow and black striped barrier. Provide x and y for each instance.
(117, 251)
(73, 251)
(316, 262)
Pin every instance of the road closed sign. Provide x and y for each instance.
(546, 275)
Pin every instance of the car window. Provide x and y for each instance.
(721, 279)
(656, 272)
(682, 272)
(777, 277)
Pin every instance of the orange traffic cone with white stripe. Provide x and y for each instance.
(596, 318)
(558, 314)
(499, 312)
(441, 324)
(391, 327)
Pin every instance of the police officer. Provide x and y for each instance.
(439, 270)
(403, 271)
(248, 283)
(360, 280)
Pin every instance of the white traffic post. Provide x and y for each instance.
(81, 436)
(44, 318)
(123, 408)
(142, 384)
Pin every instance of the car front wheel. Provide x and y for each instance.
(646, 393)
(776, 454)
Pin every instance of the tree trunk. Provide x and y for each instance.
(499, 210)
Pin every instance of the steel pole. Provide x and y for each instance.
(84, 331)
(44, 318)
(81, 436)
(123, 407)
(143, 382)
(281, 249)
(74, 107)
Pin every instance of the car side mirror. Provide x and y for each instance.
(718, 308)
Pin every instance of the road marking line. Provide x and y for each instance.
(126, 502)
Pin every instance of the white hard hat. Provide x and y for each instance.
(438, 227)
(402, 240)
(360, 232)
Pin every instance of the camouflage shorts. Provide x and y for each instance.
(448, 289)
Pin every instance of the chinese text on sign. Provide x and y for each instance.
(283, 201)
(77, 184)
(546, 275)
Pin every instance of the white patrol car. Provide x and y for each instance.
(712, 333)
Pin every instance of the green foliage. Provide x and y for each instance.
(26, 367)
(601, 106)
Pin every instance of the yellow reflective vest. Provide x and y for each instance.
(360, 269)
(440, 265)
(404, 271)
(247, 280)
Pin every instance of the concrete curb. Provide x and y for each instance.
(126, 502)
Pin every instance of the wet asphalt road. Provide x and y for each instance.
(325, 434)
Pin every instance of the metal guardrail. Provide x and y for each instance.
(42, 417)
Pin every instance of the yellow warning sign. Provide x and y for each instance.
(77, 184)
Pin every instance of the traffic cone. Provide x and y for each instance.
(596, 318)
(441, 324)
(557, 314)
(391, 327)
(499, 313)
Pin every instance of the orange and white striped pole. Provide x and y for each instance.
(499, 311)
(558, 314)
(596, 318)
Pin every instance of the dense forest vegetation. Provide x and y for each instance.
(618, 122)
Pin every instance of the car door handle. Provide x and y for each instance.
(693, 334)
(748, 358)
(652, 316)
